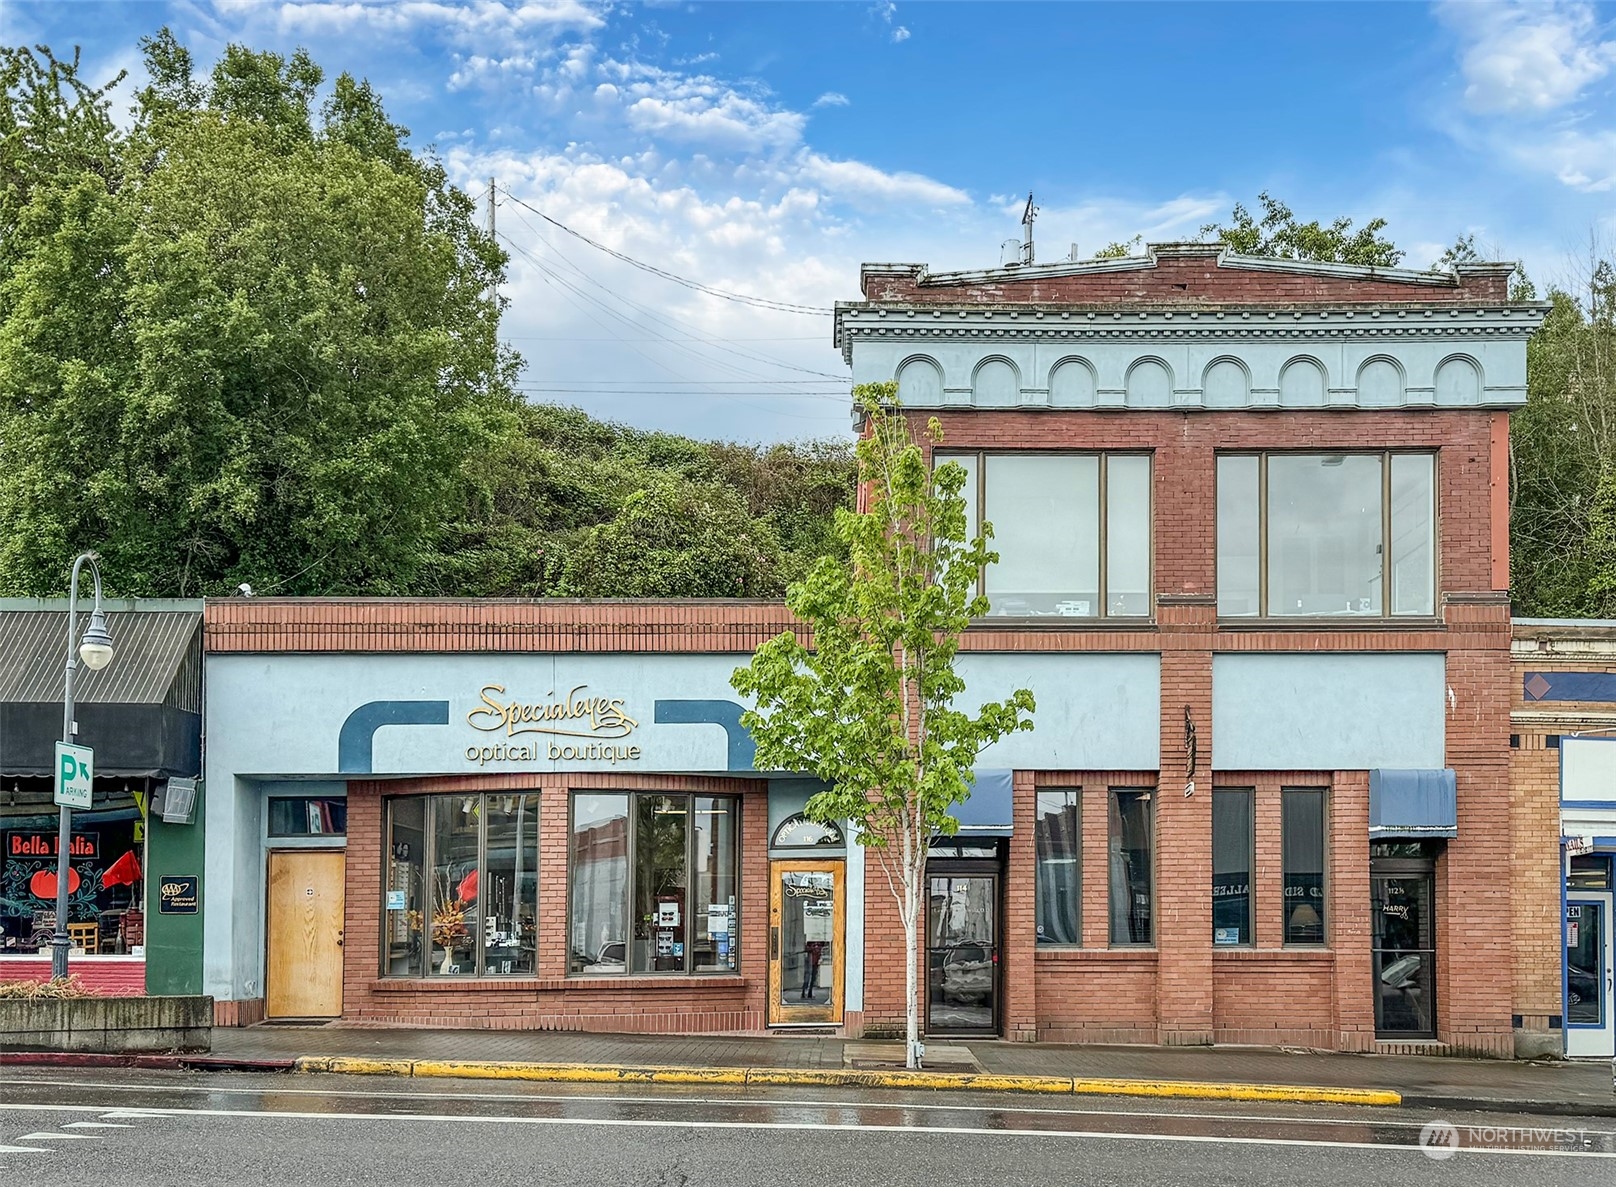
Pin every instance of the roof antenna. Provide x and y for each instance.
(1027, 216)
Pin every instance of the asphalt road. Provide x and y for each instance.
(115, 1127)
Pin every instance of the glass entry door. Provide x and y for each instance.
(805, 942)
(1590, 988)
(962, 955)
(1404, 953)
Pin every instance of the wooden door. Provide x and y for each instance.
(806, 942)
(304, 974)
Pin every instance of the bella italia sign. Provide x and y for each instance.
(578, 726)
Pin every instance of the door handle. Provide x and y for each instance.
(340, 933)
(774, 943)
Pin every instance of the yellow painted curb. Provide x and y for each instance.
(580, 1073)
(1203, 1090)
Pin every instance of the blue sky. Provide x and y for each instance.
(768, 149)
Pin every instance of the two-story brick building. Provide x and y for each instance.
(1253, 534)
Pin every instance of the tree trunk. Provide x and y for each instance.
(913, 882)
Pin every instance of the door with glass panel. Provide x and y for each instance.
(806, 942)
(1590, 990)
(1404, 951)
(962, 954)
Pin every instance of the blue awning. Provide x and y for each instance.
(1413, 804)
(988, 812)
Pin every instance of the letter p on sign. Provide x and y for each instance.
(75, 775)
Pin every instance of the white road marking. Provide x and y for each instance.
(58, 1137)
(96, 1125)
(824, 1127)
(1375, 1118)
(24, 1150)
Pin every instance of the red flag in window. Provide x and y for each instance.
(123, 872)
(467, 890)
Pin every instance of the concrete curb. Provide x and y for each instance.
(199, 1062)
(575, 1073)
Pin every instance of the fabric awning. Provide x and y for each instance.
(142, 714)
(1411, 805)
(987, 813)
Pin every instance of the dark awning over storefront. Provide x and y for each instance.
(1410, 805)
(142, 714)
(988, 812)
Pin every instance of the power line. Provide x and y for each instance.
(725, 294)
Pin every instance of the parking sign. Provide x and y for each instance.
(75, 775)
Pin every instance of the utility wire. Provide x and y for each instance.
(725, 294)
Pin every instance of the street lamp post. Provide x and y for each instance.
(95, 649)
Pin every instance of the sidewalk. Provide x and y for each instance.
(1582, 1088)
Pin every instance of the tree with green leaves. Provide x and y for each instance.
(869, 707)
(251, 339)
(1280, 234)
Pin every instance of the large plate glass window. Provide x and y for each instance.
(461, 885)
(1072, 531)
(1327, 534)
(655, 884)
(1232, 864)
(1059, 884)
(1131, 845)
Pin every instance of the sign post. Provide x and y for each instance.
(75, 775)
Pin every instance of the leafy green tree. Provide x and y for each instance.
(245, 342)
(1278, 233)
(1120, 250)
(869, 708)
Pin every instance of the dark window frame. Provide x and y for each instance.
(1102, 512)
(428, 892)
(1074, 796)
(1147, 796)
(269, 817)
(630, 884)
(1323, 902)
(1250, 796)
(1265, 612)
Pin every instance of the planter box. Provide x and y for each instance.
(108, 1025)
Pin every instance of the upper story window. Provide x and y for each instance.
(1072, 531)
(1327, 534)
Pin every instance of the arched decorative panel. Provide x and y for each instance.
(996, 384)
(1072, 384)
(1150, 384)
(1380, 384)
(920, 382)
(1301, 384)
(1225, 385)
(1458, 381)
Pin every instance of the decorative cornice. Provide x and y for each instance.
(1066, 323)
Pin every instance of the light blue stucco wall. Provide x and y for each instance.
(1330, 712)
(1096, 711)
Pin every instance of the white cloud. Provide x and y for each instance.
(721, 119)
(1528, 57)
(481, 20)
(886, 11)
(855, 179)
(900, 34)
(832, 99)
(1583, 160)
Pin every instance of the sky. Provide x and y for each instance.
(767, 150)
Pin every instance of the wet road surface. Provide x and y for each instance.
(115, 1127)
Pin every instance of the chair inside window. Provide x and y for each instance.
(85, 935)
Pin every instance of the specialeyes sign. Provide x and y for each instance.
(594, 722)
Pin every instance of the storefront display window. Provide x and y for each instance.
(1056, 843)
(1589, 872)
(1335, 534)
(106, 869)
(1232, 840)
(1131, 857)
(462, 885)
(1302, 824)
(655, 884)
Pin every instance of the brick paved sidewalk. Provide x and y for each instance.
(1427, 1078)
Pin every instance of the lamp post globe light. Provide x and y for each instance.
(95, 651)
